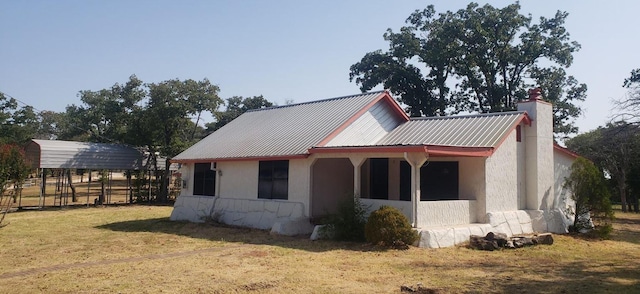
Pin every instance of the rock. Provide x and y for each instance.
(493, 241)
(481, 243)
(510, 245)
(500, 238)
(545, 238)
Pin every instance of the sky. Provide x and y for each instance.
(285, 50)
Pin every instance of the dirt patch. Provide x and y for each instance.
(257, 286)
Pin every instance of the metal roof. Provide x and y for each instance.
(479, 130)
(279, 131)
(82, 155)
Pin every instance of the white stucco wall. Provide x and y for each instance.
(502, 178)
(539, 154)
(562, 169)
(471, 177)
(522, 172)
(239, 179)
(300, 183)
(446, 212)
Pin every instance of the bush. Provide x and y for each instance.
(592, 200)
(347, 224)
(387, 226)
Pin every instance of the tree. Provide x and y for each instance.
(14, 170)
(629, 107)
(611, 148)
(478, 59)
(236, 106)
(591, 196)
(107, 112)
(168, 109)
(153, 116)
(17, 124)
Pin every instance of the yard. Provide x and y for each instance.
(135, 249)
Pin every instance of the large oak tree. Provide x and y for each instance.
(478, 59)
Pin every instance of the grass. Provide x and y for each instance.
(135, 249)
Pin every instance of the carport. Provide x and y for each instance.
(64, 156)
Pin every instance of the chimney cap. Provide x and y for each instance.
(535, 94)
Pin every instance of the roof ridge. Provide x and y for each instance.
(468, 115)
(317, 101)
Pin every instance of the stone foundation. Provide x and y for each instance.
(192, 208)
(506, 222)
(281, 217)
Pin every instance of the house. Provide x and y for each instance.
(281, 168)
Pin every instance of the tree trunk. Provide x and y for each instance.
(623, 195)
(163, 195)
(73, 187)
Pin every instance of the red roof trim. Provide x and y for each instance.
(383, 96)
(368, 149)
(435, 151)
(525, 118)
(565, 151)
(201, 160)
(441, 151)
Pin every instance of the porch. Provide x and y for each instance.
(441, 191)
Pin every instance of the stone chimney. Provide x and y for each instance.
(539, 164)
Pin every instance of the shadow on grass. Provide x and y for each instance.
(552, 277)
(220, 232)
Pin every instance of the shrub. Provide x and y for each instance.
(589, 191)
(347, 224)
(387, 226)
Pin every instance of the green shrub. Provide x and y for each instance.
(387, 226)
(347, 224)
(592, 200)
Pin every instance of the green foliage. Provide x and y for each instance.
(14, 170)
(591, 196)
(478, 59)
(387, 226)
(347, 224)
(17, 124)
(616, 150)
(236, 106)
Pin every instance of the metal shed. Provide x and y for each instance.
(65, 156)
(82, 155)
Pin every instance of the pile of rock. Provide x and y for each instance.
(493, 241)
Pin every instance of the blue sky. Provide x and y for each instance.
(284, 50)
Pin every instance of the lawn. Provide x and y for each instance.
(135, 249)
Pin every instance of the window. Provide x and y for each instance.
(379, 175)
(518, 134)
(273, 179)
(204, 180)
(439, 180)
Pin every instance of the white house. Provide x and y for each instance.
(282, 168)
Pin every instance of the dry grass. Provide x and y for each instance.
(135, 249)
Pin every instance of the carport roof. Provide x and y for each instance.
(83, 155)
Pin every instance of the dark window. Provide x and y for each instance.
(273, 179)
(518, 133)
(379, 175)
(439, 180)
(405, 181)
(204, 180)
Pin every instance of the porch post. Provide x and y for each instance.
(416, 160)
(356, 161)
